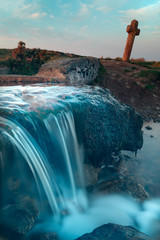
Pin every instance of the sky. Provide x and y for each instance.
(86, 27)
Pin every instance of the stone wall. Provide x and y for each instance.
(20, 79)
(4, 70)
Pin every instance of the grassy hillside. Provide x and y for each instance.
(5, 54)
(29, 62)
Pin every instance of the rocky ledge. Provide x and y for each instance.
(114, 232)
(71, 70)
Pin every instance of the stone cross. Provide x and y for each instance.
(132, 31)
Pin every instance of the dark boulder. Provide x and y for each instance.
(15, 219)
(107, 126)
(114, 232)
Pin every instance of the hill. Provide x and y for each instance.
(134, 83)
(25, 61)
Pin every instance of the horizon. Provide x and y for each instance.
(89, 28)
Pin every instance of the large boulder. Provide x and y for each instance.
(107, 126)
(114, 232)
(71, 70)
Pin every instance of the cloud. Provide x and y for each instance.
(157, 27)
(143, 14)
(51, 28)
(37, 15)
(83, 10)
(83, 13)
(22, 9)
(104, 9)
(156, 32)
(83, 31)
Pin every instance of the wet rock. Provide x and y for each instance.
(114, 232)
(117, 169)
(107, 174)
(126, 186)
(148, 127)
(90, 174)
(71, 70)
(16, 219)
(43, 236)
(107, 126)
(8, 234)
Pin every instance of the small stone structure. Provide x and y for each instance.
(132, 31)
(4, 70)
(22, 79)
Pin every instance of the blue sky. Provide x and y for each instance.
(90, 27)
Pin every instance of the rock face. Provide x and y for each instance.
(72, 71)
(43, 236)
(114, 232)
(108, 126)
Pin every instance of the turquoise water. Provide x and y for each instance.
(41, 154)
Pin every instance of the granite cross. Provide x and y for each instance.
(132, 31)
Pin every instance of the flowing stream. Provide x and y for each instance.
(40, 146)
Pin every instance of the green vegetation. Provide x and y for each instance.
(25, 61)
(101, 73)
(144, 64)
(126, 70)
(151, 75)
(150, 87)
(5, 54)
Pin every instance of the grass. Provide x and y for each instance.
(126, 70)
(150, 86)
(101, 70)
(101, 73)
(5, 54)
(144, 64)
(151, 75)
(153, 78)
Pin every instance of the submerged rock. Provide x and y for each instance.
(43, 236)
(123, 186)
(15, 218)
(71, 70)
(90, 174)
(114, 232)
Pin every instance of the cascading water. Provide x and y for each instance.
(53, 153)
(41, 155)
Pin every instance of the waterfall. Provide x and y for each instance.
(42, 133)
(60, 179)
(68, 166)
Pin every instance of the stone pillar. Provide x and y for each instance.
(132, 31)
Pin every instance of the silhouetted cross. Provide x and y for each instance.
(132, 31)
